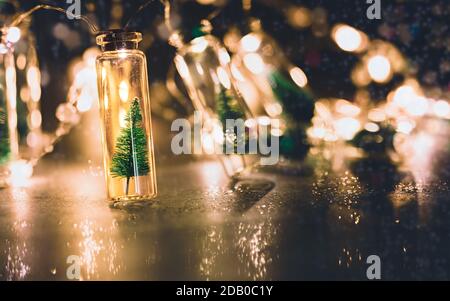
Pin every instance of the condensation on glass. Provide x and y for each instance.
(126, 118)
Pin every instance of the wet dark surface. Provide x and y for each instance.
(320, 223)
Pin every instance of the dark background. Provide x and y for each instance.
(418, 28)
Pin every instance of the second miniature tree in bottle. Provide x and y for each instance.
(130, 158)
(4, 137)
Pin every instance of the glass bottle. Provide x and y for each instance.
(126, 118)
(282, 87)
(203, 64)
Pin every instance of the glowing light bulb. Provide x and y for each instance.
(254, 63)
(299, 77)
(13, 35)
(348, 38)
(250, 42)
(379, 68)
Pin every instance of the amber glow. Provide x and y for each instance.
(299, 77)
(379, 68)
(348, 38)
(13, 35)
(250, 42)
(254, 63)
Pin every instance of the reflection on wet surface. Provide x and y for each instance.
(320, 224)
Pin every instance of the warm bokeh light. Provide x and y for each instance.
(254, 63)
(34, 82)
(250, 42)
(379, 68)
(273, 109)
(346, 108)
(372, 127)
(377, 115)
(299, 17)
(403, 95)
(84, 102)
(418, 106)
(35, 119)
(206, 2)
(348, 38)
(405, 126)
(199, 45)
(224, 57)
(441, 109)
(347, 127)
(223, 77)
(182, 67)
(236, 73)
(21, 61)
(299, 77)
(13, 35)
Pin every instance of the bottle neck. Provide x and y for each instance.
(113, 40)
(119, 45)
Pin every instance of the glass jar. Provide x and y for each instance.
(126, 118)
(203, 64)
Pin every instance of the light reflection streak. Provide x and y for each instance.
(17, 251)
(98, 256)
(253, 241)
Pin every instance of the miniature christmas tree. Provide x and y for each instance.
(130, 158)
(375, 143)
(298, 110)
(4, 134)
(228, 107)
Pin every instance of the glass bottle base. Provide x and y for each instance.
(131, 202)
(131, 199)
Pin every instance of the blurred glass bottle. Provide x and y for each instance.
(203, 64)
(126, 118)
(279, 86)
(5, 146)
